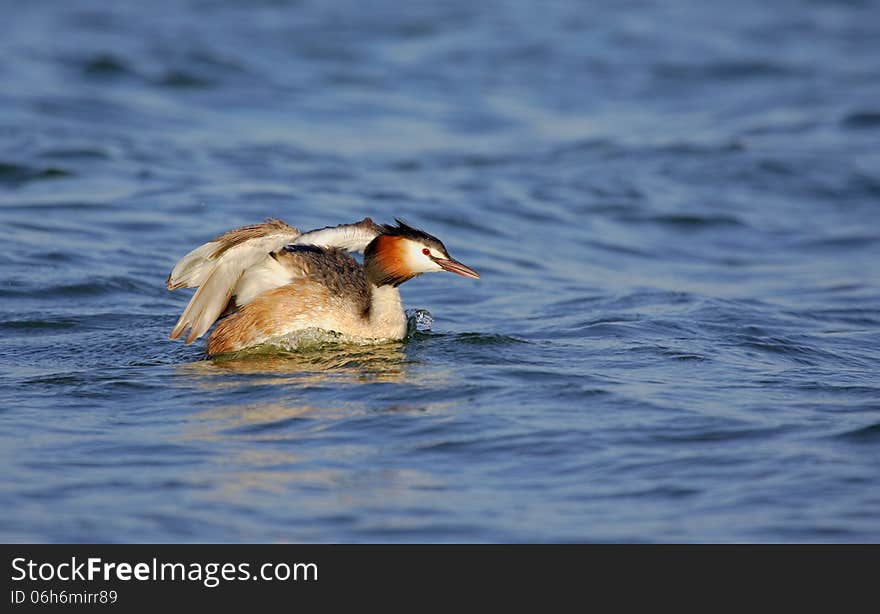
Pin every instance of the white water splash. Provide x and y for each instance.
(418, 321)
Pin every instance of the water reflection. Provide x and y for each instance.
(288, 449)
(278, 423)
(330, 363)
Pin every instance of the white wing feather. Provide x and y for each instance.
(192, 270)
(266, 274)
(350, 237)
(217, 279)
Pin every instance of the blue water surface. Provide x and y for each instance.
(675, 208)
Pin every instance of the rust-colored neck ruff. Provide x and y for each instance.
(384, 263)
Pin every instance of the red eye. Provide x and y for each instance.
(426, 251)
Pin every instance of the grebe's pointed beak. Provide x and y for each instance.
(454, 266)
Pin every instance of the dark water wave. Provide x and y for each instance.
(17, 174)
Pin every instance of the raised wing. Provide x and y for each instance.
(350, 237)
(238, 264)
(216, 268)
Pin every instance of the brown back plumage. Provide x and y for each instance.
(332, 268)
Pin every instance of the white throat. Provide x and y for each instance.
(387, 319)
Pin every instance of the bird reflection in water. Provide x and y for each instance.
(287, 427)
(290, 374)
(326, 363)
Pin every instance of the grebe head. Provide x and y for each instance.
(401, 252)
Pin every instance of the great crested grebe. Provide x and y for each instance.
(271, 280)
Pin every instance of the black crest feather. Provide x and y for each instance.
(402, 229)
